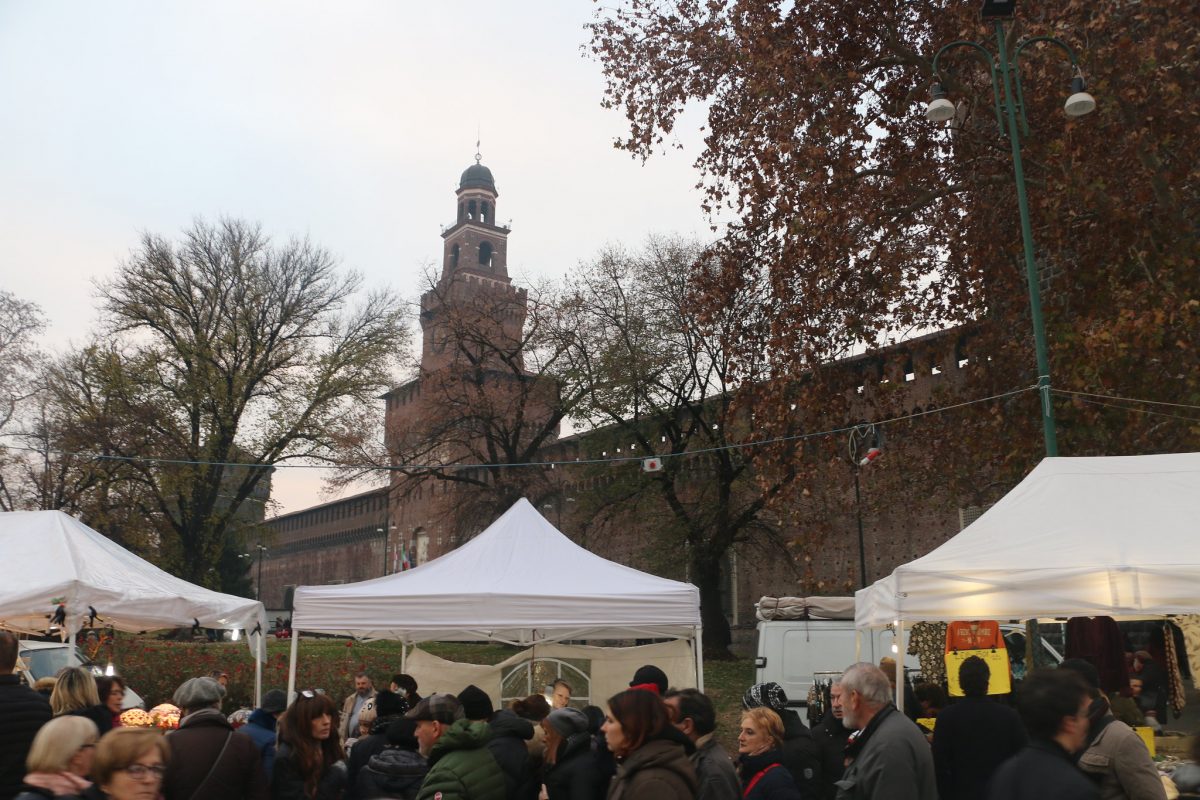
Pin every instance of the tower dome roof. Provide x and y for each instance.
(477, 176)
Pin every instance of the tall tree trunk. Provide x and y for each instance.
(706, 574)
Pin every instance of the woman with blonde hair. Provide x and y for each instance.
(130, 763)
(75, 693)
(60, 759)
(760, 743)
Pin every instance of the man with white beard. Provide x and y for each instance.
(889, 759)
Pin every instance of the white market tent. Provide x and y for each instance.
(520, 581)
(1111, 536)
(49, 555)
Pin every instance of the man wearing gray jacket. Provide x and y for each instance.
(1115, 758)
(889, 758)
(692, 713)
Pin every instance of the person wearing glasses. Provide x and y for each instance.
(212, 759)
(130, 763)
(60, 759)
(309, 762)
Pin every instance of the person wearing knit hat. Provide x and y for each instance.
(571, 769)
(801, 754)
(650, 678)
(769, 695)
(567, 721)
(476, 704)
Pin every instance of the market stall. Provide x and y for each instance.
(520, 582)
(62, 576)
(1114, 536)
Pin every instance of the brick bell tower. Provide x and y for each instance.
(474, 278)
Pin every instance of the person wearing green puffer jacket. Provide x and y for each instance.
(460, 765)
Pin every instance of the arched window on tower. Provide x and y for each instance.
(485, 254)
(462, 211)
(485, 213)
(471, 210)
(454, 257)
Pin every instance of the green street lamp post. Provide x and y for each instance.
(1010, 116)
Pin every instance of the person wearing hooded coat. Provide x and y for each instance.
(389, 707)
(397, 770)
(571, 771)
(653, 758)
(262, 725)
(800, 753)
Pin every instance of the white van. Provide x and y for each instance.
(37, 659)
(796, 653)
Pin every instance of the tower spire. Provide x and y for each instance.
(478, 156)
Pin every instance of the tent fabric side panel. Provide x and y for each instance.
(611, 668)
(437, 675)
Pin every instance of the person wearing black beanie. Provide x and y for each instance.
(476, 703)
(650, 677)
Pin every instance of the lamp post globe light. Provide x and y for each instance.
(1009, 104)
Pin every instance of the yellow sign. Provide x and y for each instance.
(1000, 681)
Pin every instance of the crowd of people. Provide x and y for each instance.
(649, 742)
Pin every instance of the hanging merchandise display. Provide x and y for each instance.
(974, 635)
(1176, 697)
(1099, 641)
(1190, 625)
(997, 660)
(927, 641)
(982, 639)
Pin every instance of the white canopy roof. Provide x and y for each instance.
(520, 581)
(1116, 536)
(49, 555)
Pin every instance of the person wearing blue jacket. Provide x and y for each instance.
(262, 727)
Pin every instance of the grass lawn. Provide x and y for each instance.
(155, 668)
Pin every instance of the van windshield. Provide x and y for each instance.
(46, 662)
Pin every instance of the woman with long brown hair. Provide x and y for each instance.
(309, 761)
(652, 760)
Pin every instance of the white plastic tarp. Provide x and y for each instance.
(609, 670)
(1116, 536)
(519, 581)
(49, 555)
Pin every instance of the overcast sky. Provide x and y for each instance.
(349, 122)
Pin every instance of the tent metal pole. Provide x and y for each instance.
(900, 676)
(698, 648)
(857, 645)
(292, 666)
(260, 655)
(403, 656)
